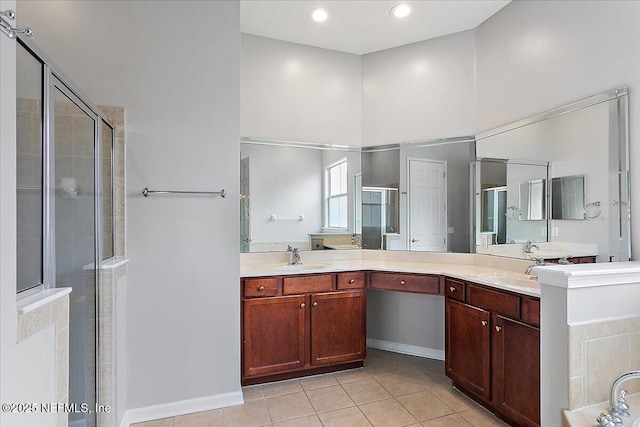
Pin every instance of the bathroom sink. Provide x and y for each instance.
(300, 267)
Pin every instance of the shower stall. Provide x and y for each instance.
(65, 209)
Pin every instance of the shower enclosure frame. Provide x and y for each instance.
(53, 79)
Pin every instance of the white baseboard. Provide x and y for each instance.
(412, 350)
(182, 407)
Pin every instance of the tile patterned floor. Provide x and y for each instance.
(391, 390)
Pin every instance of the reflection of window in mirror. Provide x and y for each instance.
(336, 195)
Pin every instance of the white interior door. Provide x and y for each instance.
(427, 205)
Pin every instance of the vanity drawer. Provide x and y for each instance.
(502, 303)
(260, 287)
(355, 280)
(420, 283)
(531, 310)
(306, 284)
(454, 289)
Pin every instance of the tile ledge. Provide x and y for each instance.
(39, 299)
(114, 263)
(107, 265)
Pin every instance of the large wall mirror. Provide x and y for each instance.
(292, 191)
(558, 180)
(418, 195)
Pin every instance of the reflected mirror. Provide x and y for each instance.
(575, 141)
(567, 197)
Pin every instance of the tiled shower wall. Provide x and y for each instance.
(111, 286)
(598, 353)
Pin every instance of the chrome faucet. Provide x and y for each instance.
(295, 255)
(528, 247)
(619, 407)
(539, 262)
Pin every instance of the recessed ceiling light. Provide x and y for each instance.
(400, 11)
(319, 15)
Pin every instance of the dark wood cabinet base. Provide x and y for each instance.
(302, 373)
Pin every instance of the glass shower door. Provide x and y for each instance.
(73, 140)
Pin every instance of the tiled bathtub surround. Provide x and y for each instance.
(590, 334)
(599, 353)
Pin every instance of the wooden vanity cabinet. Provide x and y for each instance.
(338, 327)
(405, 282)
(492, 349)
(467, 338)
(308, 326)
(274, 334)
(516, 370)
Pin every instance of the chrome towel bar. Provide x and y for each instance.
(146, 192)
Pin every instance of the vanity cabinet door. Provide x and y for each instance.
(274, 334)
(338, 327)
(467, 349)
(516, 371)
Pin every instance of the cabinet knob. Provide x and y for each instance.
(261, 288)
(352, 281)
(315, 304)
(484, 323)
(402, 282)
(303, 305)
(452, 289)
(498, 328)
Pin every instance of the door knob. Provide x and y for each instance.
(414, 240)
(352, 281)
(402, 282)
(261, 288)
(484, 323)
(303, 305)
(498, 328)
(315, 304)
(452, 289)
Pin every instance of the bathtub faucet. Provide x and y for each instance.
(618, 405)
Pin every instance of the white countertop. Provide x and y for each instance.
(506, 274)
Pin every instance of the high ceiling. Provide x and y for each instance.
(361, 27)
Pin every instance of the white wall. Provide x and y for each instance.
(286, 182)
(535, 55)
(295, 92)
(420, 91)
(175, 67)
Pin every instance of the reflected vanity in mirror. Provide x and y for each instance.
(563, 199)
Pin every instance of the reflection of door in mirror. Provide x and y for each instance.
(532, 200)
(427, 205)
(245, 224)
